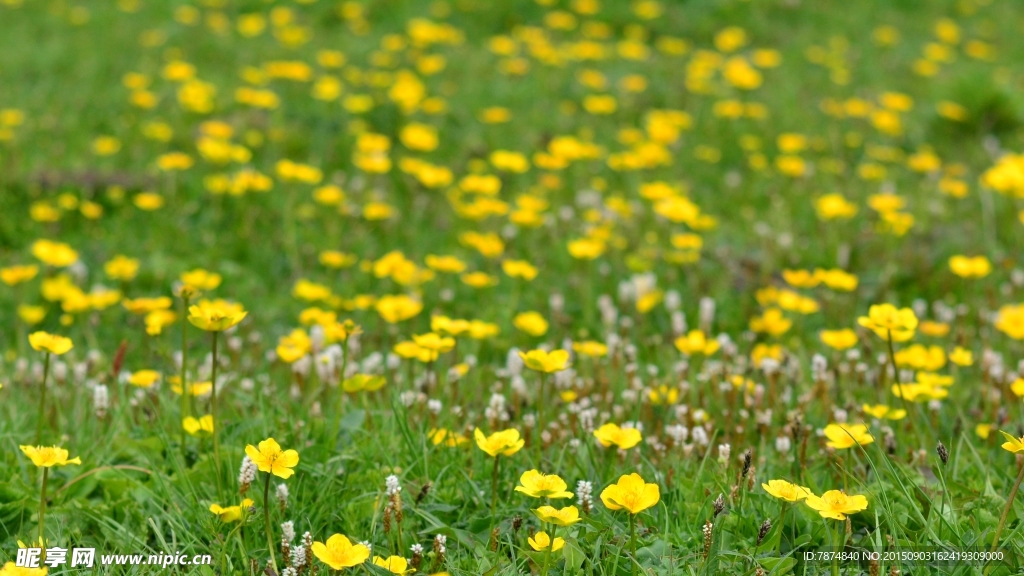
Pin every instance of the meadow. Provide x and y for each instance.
(574, 287)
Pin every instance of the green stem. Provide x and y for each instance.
(899, 384)
(494, 486)
(336, 428)
(1006, 510)
(184, 363)
(782, 524)
(266, 518)
(42, 400)
(551, 551)
(42, 509)
(541, 399)
(840, 540)
(632, 541)
(213, 412)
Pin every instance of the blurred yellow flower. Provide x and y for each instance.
(887, 321)
(787, 491)
(503, 443)
(270, 458)
(836, 504)
(631, 493)
(50, 343)
(48, 456)
(623, 438)
(543, 361)
(841, 436)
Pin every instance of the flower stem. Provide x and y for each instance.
(336, 428)
(494, 486)
(632, 540)
(782, 524)
(213, 412)
(838, 551)
(1006, 510)
(551, 550)
(184, 364)
(42, 399)
(42, 508)
(912, 418)
(266, 518)
(541, 400)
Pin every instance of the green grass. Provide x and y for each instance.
(140, 490)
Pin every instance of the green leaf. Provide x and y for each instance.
(574, 557)
(353, 421)
(777, 566)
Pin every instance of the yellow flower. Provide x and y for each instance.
(771, 322)
(801, 278)
(230, 513)
(837, 504)
(837, 279)
(270, 458)
(531, 322)
(447, 264)
(559, 517)
(883, 411)
(216, 315)
(479, 330)
(834, 206)
(56, 254)
(144, 378)
(839, 339)
(148, 201)
(503, 443)
(547, 362)
(48, 456)
(394, 309)
(624, 438)
(586, 248)
(146, 305)
(886, 320)
(663, 394)
(193, 425)
(540, 485)
(1018, 387)
(200, 279)
(340, 552)
(31, 315)
(519, 269)
(590, 348)
(363, 383)
(1012, 444)
(1010, 321)
(961, 357)
(434, 344)
(631, 493)
(919, 391)
(983, 430)
(52, 343)
(11, 569)
(393, 564)
(786, 491)
(968, 267)
(479, 279)
(696, 343)
(13, 275)
(842, 436)
(121, 268)
(194, 389)
(447, 437)
(409, 349)
(542, 542)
